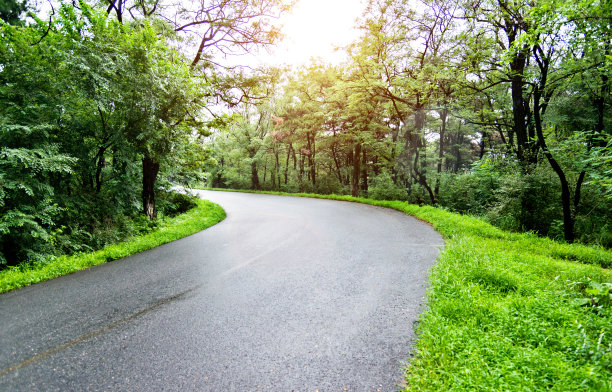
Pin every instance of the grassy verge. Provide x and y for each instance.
(510, 312)
(204, 215)
(506, 312)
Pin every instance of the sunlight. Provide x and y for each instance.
(314, 29)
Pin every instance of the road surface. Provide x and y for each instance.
(286, 294)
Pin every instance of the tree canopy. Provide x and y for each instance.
(96, 101)
(495, 108)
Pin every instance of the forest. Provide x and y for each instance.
(103, 107)
(498, 109)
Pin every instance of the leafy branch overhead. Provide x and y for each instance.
(212, 27)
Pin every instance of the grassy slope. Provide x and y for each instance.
(501, 311)
(204, 215)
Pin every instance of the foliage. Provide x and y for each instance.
(498, 192)
(83, 100)
(472, 192)
(596, 295)
(383, 188)
(515, 294)
(432, 93)
(30, 156)
(204, 215)
(601, 160)
(11, 11)
(174, 203)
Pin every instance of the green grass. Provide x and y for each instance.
(503, 315)
(503, 311)
(204, 215)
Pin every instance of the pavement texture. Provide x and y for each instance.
(286, 294)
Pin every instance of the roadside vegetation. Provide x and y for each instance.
(499, 109)
(100, 112)
(512, 312)
(494, 108)
(200, 216)
(509, 311)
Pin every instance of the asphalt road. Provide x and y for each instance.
(286, 294)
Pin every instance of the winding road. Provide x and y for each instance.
(286, 294)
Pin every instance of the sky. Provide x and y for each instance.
(312, 29)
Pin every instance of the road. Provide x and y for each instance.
(286, 294)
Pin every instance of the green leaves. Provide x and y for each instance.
(78, 110)
(39, 161)
(11, 11)
(600, 160)
(596, 295)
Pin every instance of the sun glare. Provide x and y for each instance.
(313, 29)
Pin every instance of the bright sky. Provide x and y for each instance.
(313, 29)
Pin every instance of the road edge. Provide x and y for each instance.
(201, 217)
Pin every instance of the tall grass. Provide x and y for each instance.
(204, 215)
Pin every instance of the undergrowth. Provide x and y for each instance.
(509, 311)
(203, 215)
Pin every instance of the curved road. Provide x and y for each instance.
(286, 294)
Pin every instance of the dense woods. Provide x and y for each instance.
(499, 109)
(495, 108)
(100, 105)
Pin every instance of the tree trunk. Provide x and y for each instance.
(482, 145)
(276, 174)
(302, 157)
(364, 172)
(444, 116)
(150, 168)
(100, 166)
(356, 171)
(419, 167)
(311, 158)
(520, 107)
(337, 164)
(568, 219)
(254, 176)
(287, 163)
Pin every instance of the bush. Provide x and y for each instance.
(173, 203)
(594, 217)
(383, 188)
(518, 199)
(328, 184)
(470, 193)
(527, 202)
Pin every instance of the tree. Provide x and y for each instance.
(84, 99)
(531, 49)
(29, 155)
(11, 11)
(509, 97)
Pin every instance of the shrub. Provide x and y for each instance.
(527, 201)
(383, 188)
(470, 193)
(173, 203)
